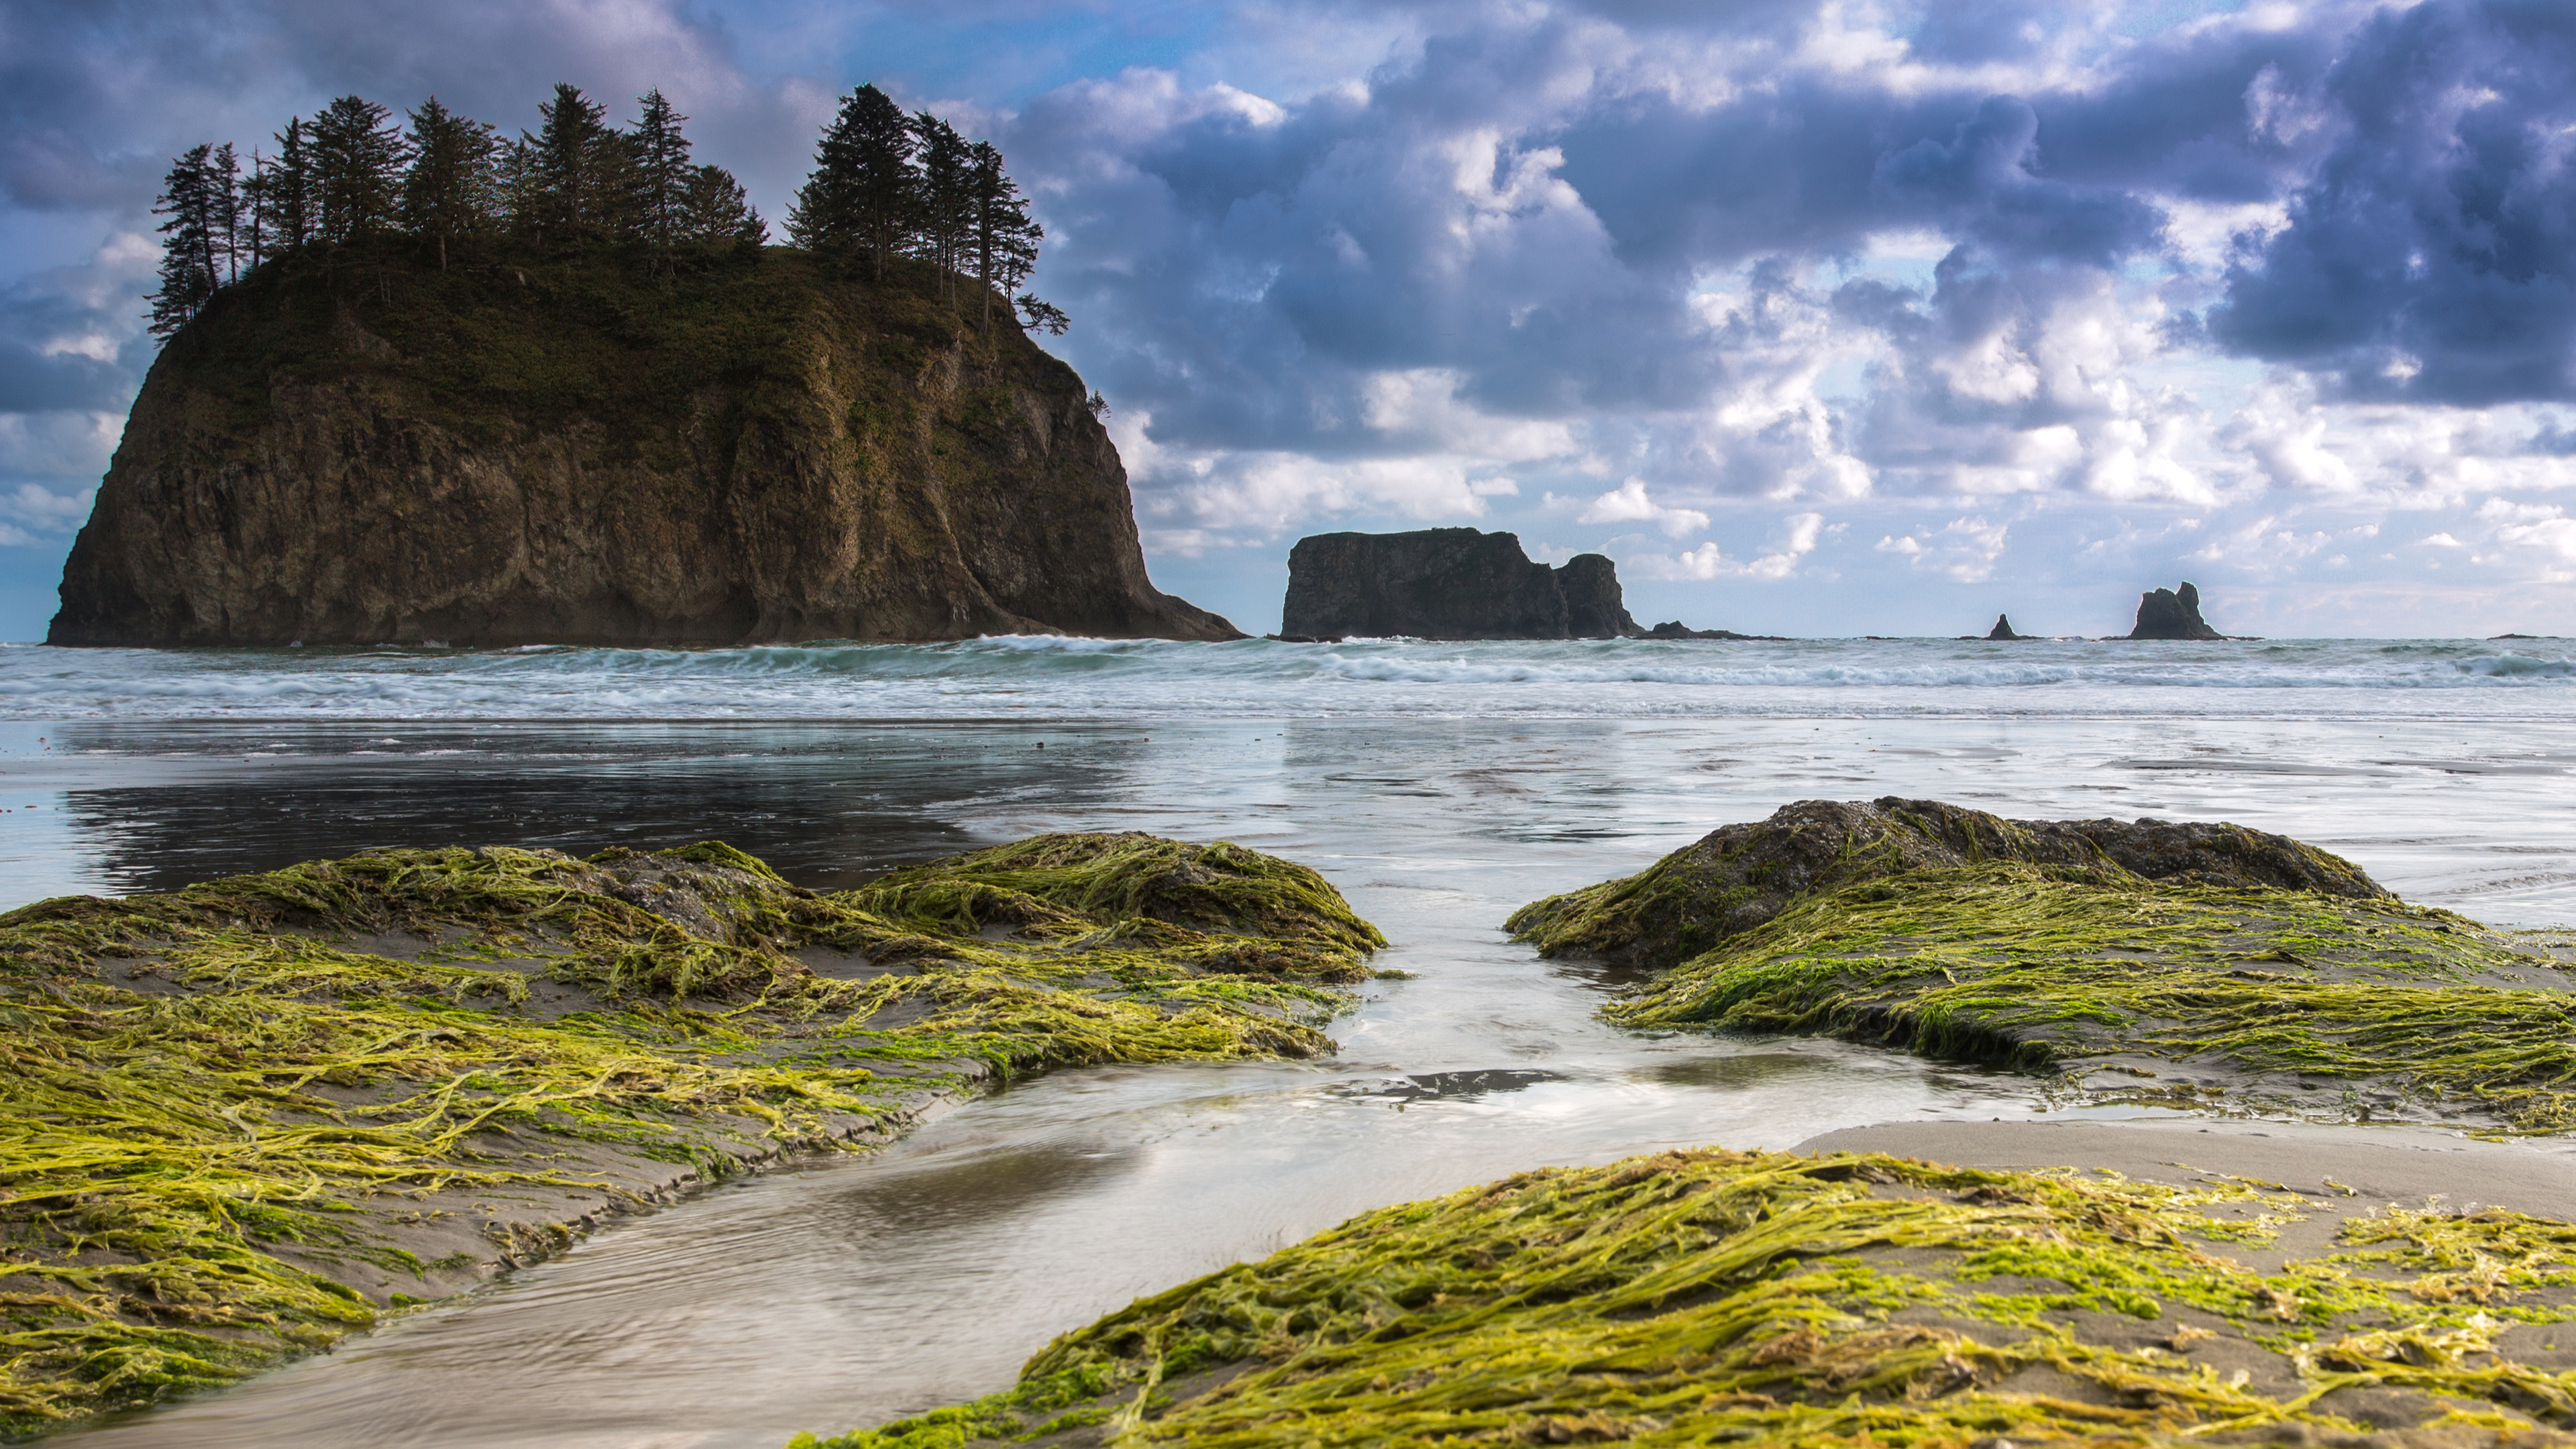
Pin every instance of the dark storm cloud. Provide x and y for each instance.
(1528, 203)
(2429, 259)
(96, 95)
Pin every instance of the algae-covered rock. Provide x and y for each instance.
(244, 1117)
(1713, 1297)
(2201, 966)
(562, 449)
(1739, 876)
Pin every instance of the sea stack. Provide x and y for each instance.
(769, 448)
(1447, 583)
(2172, 614)
(2004, 630)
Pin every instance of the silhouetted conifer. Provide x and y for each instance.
(1004, 237)
(449, 192)
(357, 170)
(863, 192)
(662, 175)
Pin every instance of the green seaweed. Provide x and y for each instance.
(210, 1096)
(2329, 1006)
(1709, 1297)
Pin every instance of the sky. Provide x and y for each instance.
(1821, 317)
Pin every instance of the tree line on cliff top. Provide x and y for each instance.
(884, 183)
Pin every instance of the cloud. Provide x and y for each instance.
(1628, 503)
(1779, 559)
(2428, 256)
(1964, 549)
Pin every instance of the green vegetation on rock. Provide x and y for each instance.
(235, 1117)
(1713, 1297)
(2197, 966)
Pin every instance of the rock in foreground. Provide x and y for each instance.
(2172, 614)
(1447, 583)
(1762, 1298)
(246, 1117)
(572, 452)
(2193, 966)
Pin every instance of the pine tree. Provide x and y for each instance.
(518, 189)
(715, 209)
(252, 237)
(663, 175)
(863, 191)
(288, 192)
(944, 211)
(579, 161)
(358, 156)
(224, 239)
(188, 267)
(1005, 236)
(448, 193)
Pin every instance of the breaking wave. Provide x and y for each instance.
(1052, 676)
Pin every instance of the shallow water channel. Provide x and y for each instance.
(848, 1291)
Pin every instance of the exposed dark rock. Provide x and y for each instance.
(2003, 629)
(572, 452)
(1739, 876)
(1593, 606)
(1675, 629)
(2172, 614)
(1446, 583)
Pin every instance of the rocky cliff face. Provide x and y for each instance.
(569, 452)
(2171, 614)
(1446, 583)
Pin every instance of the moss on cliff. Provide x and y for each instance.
(572, 448)
(233, 1118)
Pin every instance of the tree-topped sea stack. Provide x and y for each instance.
(437, 387)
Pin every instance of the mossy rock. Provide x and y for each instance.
(1715, 1297)
(1739, 876)
(2252, 973)
(226, 1110)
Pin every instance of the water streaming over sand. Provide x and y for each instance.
(1438, 785)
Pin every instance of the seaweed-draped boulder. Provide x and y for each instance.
(2146, 962)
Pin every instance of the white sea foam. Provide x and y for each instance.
(1090, 677)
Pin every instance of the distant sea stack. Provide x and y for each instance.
(2004, 630)
(2172, 614)
(572, 450)
(1447, 583)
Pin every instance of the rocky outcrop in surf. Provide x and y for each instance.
(1447, 583)
(2172, 614)
(2003, 629)
(363, 449)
